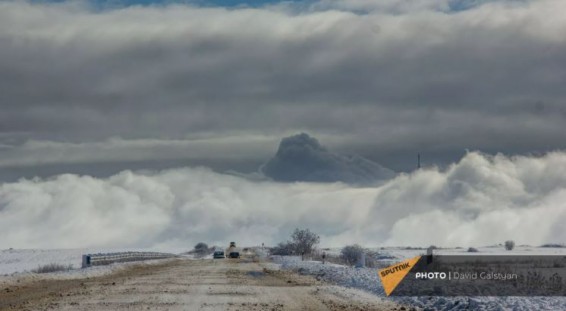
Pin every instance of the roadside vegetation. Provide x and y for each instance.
(201, 249)
(52, 267)
(351, 254)
(303, 243)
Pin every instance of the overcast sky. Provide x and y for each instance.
(96, 88)
(104, 86)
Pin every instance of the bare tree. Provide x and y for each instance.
(304, 241)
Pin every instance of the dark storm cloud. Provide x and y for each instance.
(383, 83)
(303, 158)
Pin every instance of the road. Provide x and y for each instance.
(183, 284)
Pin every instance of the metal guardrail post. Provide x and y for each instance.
(86, 261)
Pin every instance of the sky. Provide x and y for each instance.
(143, 84)
(92, 92)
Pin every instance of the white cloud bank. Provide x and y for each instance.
(480, 200)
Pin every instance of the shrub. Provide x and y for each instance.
(201, 247)
(351, 254)
(52, 267)
(283, 249)
(472, 250)
(553, 245)
(303, 242)
(509, 245)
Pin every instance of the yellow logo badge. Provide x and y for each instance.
(393, 275)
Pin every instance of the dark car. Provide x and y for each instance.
(234, 255)
(218, 254)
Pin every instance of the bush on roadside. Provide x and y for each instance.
(472, 250)
(283, 249)
(553, 245)
(509, 245)
(351, 254)
(303, 242)
(201, 248)
(52, 267)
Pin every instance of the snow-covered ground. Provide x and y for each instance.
(25, 260)
(16, 265)
(368, 280)
(400, 253)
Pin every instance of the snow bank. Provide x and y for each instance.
(18, 263)
(368, 280)
(364, 278)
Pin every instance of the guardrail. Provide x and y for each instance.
(109, 258)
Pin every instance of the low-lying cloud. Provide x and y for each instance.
(479, 200)
(41, 152)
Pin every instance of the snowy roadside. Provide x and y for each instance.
(368, 280)
(16, 265)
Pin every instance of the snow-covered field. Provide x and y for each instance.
(368, 280)
(17, 264)
(400, 253)
(24, 260)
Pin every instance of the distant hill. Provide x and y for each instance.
(302, 158)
